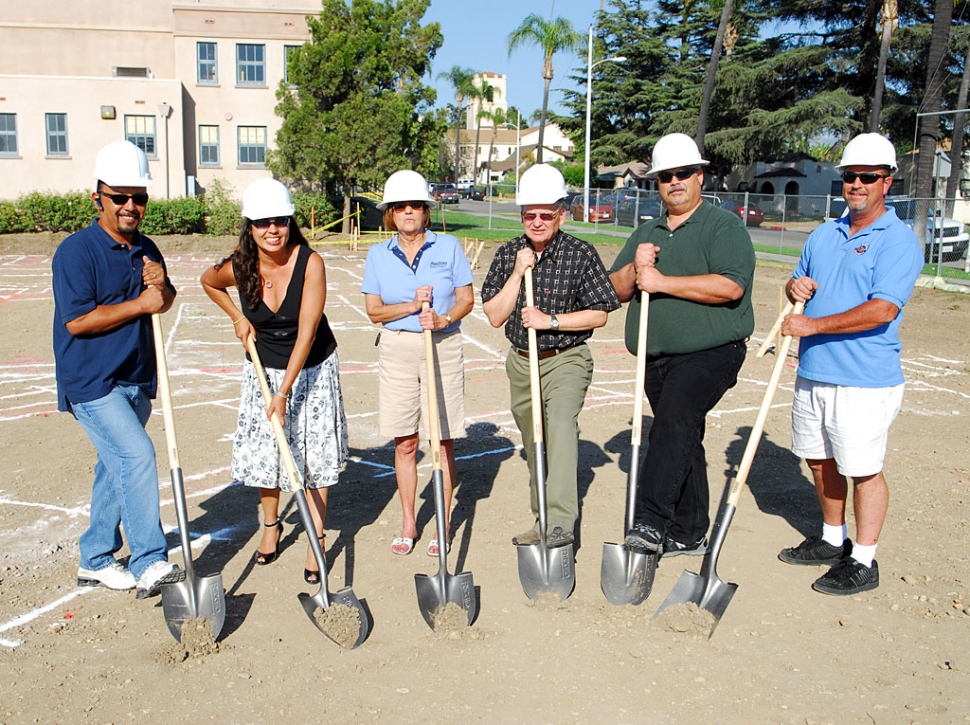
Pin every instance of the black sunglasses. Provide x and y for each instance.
(849, 177)
(402, 205)
(280, 222)
(140, 199)
(665, 177)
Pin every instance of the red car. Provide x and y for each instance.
(598, 211)
(754, 215)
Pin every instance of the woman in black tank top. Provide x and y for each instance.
(282, 291)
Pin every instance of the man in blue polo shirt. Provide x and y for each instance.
(108, 280)
(855, 275)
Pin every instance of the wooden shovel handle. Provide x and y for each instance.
(759, 425)
(434, 422)
(641, 375)
(533, 365)
(284, 445)
(774, 330)
(165, 392)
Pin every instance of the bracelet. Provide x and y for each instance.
(236, 322)
(283, 396)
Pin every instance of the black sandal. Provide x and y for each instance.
(261, 559)
(313, 577)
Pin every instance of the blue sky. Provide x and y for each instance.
(476, 37)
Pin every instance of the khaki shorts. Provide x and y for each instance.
(403, 395)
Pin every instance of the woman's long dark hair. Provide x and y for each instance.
(245, 261)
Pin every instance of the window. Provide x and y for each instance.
(287, 57)
(208, 64)
(140, 130)
(250, 65)
(208, 146)
(8, 134)
(56, 134)
(252, 145)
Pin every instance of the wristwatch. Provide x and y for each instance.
(448, 318)
(553, 322)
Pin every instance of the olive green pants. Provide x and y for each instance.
(563, 380)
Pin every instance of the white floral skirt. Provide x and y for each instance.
(315, 426)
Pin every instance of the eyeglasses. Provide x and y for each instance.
(546, 216)
(140, 199)
(665, 177)
(402, 205)
(849, 177)
(279, 222)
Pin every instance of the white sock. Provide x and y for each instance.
(864, 554)
(834, 535)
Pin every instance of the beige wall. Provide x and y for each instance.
(57, 57)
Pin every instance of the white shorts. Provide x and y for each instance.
(848, 424)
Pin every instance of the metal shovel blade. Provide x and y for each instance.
(323, 599)
(545, 570)
(200, 597)
(458, 589)
(706, 589)
(626, 576)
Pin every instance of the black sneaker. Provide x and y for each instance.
(816, 552)
(672, 547)
(848, 577)
(643, 537)
(558, 536)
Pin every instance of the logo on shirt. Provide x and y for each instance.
(861, 249)
(438, 265)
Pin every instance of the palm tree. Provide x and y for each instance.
(711, 74)
(461, 79)
(483, 93)
(498, 118)
(552, 36)
(890, 21)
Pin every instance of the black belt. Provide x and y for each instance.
(544, 354)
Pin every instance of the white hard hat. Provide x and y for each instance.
(266, 198)
(541, 184)
(675, 151)
(868, 149)
(406, 185)
(121, 163)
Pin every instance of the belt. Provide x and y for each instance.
(544, 354)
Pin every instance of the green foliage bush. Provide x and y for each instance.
(12, 220)
(323, 209)
(223, 213)
(49, 212)
(184, 215)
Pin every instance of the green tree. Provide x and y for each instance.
(461, 79)
(355, 109)
(552, 36)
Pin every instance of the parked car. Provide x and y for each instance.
(630, 214)
(446, 193)
(599, 210)
(950, 235)
(474, 193)
(752, 215)
(464, 184)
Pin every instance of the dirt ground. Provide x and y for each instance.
(781, 653)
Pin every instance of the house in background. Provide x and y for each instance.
(557, 147)
(191, 83)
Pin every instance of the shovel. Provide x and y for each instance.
(320, 600)
(542, 570)
(436, 592)
(626, 576)
(193, 597)
(706, 589)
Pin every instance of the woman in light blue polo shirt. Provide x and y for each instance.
(414, 267)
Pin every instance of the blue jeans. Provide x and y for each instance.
(673, 495)
(125, 489)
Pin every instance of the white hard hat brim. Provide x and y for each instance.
(652, 173)
(384, 204)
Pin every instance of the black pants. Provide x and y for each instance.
(673, 495)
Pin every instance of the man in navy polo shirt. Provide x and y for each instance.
(108, 280)
(854, 276)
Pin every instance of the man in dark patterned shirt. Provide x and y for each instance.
(573, 296)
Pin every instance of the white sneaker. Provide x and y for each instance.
(161, 572)
(114, 576)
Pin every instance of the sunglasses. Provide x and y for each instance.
(402, 205)
(140, 199)
(665, 177)
(546, 216)
(280, 222)
(849, 177)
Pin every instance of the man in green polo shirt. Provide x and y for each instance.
(697, 264)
